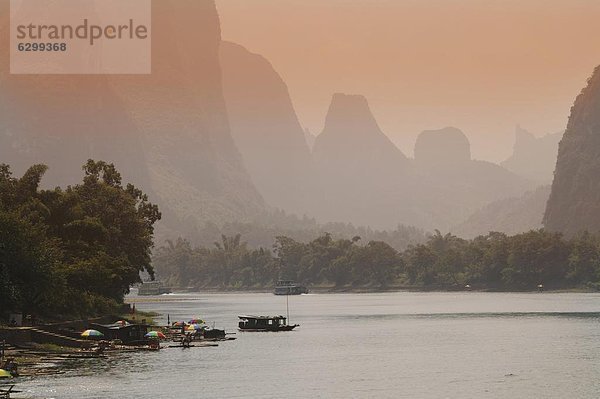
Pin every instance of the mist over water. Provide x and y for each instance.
(391, 345)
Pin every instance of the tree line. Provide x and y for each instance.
(494, 261)
(73, 251)
(261, 230)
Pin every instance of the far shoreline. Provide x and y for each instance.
(368, 290)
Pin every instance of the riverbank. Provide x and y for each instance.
(37, 360)
(51, 348)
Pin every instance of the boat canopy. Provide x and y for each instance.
(249, 317)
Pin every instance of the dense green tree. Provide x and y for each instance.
(72, 251)
(487, 256)
(30, 279)
(381, 263)
(584, 260)
(536, 257)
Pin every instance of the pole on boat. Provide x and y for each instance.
(287, 306)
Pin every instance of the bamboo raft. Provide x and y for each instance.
(5, 393)
(193, 346)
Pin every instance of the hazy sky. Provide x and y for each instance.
(480, 65)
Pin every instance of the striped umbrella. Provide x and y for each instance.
(155, 334)
(195, 327)
(122, 323)
(92, 333)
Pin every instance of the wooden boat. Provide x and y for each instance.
(264, 323)
(213, 333)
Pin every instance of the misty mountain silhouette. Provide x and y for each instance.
(213, 129)
(533, 157)
(361, 175)
(510, 215)
(574, 203)
(265, 128)
(452, 185)
(447, 146)
(168, 131)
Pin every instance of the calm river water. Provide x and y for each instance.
(390, 345)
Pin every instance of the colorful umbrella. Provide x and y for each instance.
(196, 321)
(91, 333)
(5, 374)
(195, 327)
(179, 324)
(122, 323)
(155, 334)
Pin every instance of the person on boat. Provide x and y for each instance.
(102, 346)
(188, 339)
(185, 341)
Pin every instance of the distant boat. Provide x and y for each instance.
(264, 323)
(153, 288)
(288, 287)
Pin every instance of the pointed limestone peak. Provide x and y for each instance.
(351, 132)
(523, 137)
(351, 116)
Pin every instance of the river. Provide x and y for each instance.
(385, 345)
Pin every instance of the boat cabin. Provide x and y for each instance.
(131, 334)
(264, 323)
(284, 283)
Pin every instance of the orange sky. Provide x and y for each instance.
(480, 65)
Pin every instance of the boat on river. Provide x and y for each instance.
(264, 323)
(153, 288)
(288, 287)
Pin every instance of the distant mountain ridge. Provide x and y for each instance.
(510, 215)
(355, 174)
(452, 185)
(213, 131)
(534, 157)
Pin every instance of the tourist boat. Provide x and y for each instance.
(153, 288)
(265, 323)
(287, 287)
